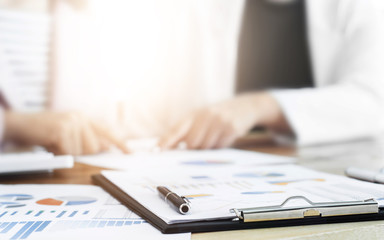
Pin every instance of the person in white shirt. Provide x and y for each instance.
(346, 52)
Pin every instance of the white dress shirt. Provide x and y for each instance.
(346, 44)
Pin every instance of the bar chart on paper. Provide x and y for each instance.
(48, 209)
(24, 229)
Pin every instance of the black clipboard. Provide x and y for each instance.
(222, 225)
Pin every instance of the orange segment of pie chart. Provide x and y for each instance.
(50, 201)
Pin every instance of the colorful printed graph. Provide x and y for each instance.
(25, 228)
(258, 174)
(67, 200)
(208, 162)
(284, 183)
(260, 192)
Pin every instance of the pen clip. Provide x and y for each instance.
(186, 200)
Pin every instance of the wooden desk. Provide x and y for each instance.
(81, 173)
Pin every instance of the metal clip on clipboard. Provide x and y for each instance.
(323, 209)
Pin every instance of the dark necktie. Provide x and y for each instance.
(273, 51)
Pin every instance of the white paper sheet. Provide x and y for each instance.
(213, 194)
(33, 162)
(69, 212)
(204, 160)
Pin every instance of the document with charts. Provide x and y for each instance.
(190, 160)
(213, 194)
(69, 212)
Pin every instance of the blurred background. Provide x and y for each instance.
(140, 66)
(149, 62)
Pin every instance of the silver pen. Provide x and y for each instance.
(180, 204)
(366, 175)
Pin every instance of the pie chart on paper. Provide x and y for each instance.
(10, 200)
(11, 204)
(67, 201)
(16, 197)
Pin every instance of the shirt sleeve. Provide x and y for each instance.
(331, 114)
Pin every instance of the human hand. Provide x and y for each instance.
(60, 133)
(220, 125)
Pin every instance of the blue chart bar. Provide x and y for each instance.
(3, 214)
(73, 214)
(29, 212)
(111, 223)
(102, 224)
(26, 230)
(14, 213)
(68, 224)
(61, 214)
(4, 224)
(31, 229)
(9, 227)
(43, 226)
(22, 230)
(39, 213)
(86, 212)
